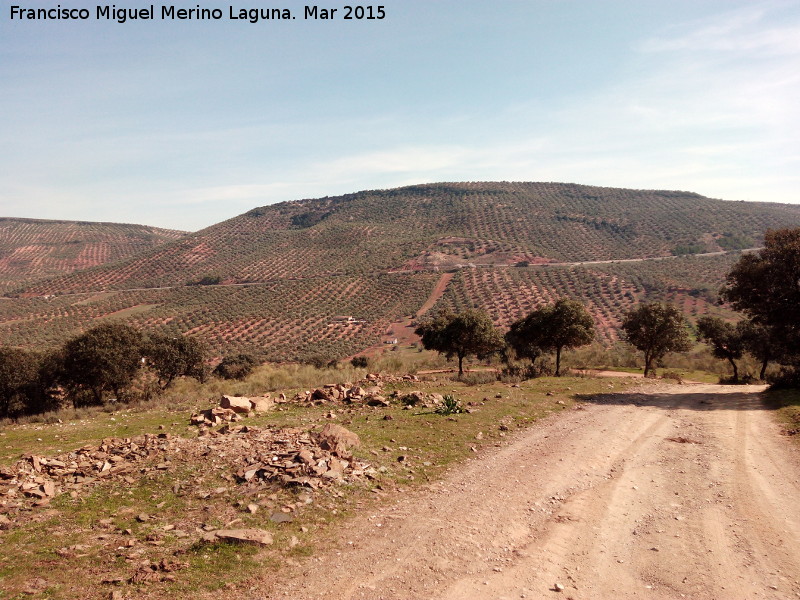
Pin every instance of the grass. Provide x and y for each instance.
(787, 403)
(111, 543)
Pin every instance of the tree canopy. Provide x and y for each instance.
(173, 357)
(18, 374)
(766, 287)
(464, 334)
(726, 340)
(656, 329)
(104, 358)
(565, 324)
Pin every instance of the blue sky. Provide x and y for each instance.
(184, 124)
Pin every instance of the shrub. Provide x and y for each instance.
(359, 362)
(237, 366)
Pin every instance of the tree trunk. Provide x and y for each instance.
(460, 365)
(763, 369)
(735, 370)
(647, 361)
(558, 361)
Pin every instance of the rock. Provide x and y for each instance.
(377, 401)
(280, 517)
(34, 586)
(558, 587)
(257, 537)
(236, 404)
(261, 404)
(337, 439)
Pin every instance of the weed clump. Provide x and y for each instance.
(449, 406)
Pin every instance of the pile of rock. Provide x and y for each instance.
(231, 408)
(254, 455)
(40, 479)
(344, 393)
(293, 457)
(381, 379)
(420, 399)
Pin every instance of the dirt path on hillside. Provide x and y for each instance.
(436, 294)
(672, 492)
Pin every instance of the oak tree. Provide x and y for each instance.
(656, 329)
(464, 334)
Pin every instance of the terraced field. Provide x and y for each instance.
(33, 249)
(439, 225)
(606, 290)
(283, 320)
(272, 279)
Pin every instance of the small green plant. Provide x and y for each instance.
(449, 406)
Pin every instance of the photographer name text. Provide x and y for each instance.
(113, 13)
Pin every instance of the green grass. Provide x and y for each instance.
(787, 403)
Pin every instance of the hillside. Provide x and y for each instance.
(287, 270)
(33, 249)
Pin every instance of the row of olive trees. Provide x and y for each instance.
(92, 367)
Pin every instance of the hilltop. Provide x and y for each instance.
(35, 249)
(273, 279)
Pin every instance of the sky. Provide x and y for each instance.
(185, 123)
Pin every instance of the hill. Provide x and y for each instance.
(33, 249)
(281, 274)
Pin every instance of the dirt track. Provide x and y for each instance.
(680, 492)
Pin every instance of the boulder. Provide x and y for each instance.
(261, 404)
(338, 439)
(236, 404)
(377, 401)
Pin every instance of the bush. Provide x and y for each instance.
(786, 378)
(104, 359)
(359, 362)
(237, 366)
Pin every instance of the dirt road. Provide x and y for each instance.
(678, 492)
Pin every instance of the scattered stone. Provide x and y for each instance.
(34, 586)
(558, 587)
(281, 517)
(257, 537)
